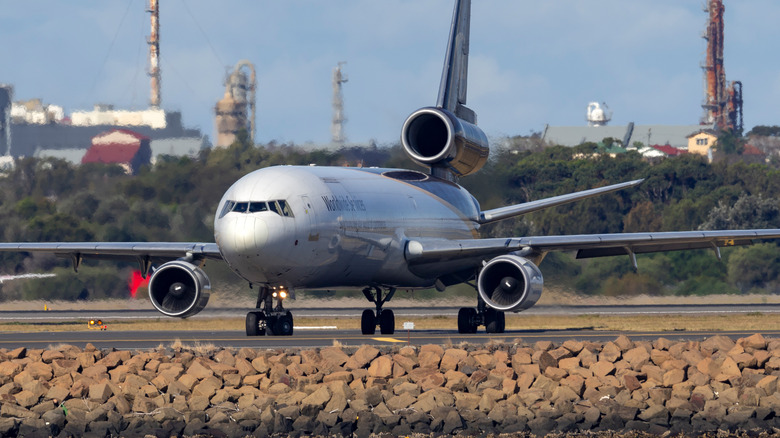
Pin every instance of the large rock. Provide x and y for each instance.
(753, 342)
(199, 370)
(318, 398)
(452, 357)
(430, 356)
(636, 357)
(602, 368)
(207, 387)
(610, 353)
(100, 392)
(381, 367)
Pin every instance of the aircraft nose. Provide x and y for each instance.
(242, 234)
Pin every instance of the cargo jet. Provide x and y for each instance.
(378, 230)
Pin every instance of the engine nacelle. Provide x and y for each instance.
(435, 137)
(510, 283)
(179, 288)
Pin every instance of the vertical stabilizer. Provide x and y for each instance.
(454, 77)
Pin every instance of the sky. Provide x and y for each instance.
(532, 62)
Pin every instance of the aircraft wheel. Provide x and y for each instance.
(270, 325)
(255, 323)
(492, 323)
(284, 325)
(387, 322)
(467, 320)
(368, 322)
(501, 322)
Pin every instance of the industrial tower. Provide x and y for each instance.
(722, 101)
(233, 111)
(337, 126)
(154, 54)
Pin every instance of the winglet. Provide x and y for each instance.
(454, 76)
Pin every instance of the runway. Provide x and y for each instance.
(400, 312)
(308, 337)
(142, 340)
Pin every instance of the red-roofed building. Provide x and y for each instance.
(129, 149)
(752, 154)
(669, 150)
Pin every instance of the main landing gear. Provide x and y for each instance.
(382, 318)
(274, 321)
(470, 318)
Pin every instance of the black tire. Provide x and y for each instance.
(492, 324)
(501, 322)
(284, 325)
(466, 320)
(368, 322)
(255, 323)
(387, 322)
(270, 326)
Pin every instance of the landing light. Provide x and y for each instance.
(97, 324)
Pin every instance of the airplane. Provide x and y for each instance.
(379, 230)
(6, 277)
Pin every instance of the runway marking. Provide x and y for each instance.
(387, 340)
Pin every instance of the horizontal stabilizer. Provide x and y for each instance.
(498, 214)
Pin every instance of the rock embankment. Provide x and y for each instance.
(648, 386)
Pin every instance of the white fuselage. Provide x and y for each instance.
(328, 227)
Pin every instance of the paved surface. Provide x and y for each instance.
(320, 337)
(111, 314)
(325, 338)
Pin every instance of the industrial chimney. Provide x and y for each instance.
(154, 54)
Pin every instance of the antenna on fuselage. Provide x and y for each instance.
(454, 76)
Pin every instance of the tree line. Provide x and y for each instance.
(174, 200)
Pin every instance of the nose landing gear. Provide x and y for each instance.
(274, 321)
(382, 318)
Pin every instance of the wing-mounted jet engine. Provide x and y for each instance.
(510, 283)
(179, 288)
(446, 137)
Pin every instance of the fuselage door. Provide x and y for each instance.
(307, 227)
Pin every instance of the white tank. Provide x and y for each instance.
(598, 114)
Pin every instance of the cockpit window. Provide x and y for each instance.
(280, 207)
(227, 208)
(284, 208)
(256, 207)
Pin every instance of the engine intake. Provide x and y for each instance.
(435, 137)
(510, 283)
(179, 288)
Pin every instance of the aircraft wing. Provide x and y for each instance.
(144, 252)
(586, 245)
(498, 214)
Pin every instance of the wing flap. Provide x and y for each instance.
(587, 245)
(120, 250)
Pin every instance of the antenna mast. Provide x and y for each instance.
(337, 126)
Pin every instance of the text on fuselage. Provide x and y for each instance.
(343, 203)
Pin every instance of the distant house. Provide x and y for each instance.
(129, 149)
(702, 141)
(668, 150)
(752, 154)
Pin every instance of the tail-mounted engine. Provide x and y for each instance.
(179, 288)
(436, 138)
(510, 283)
